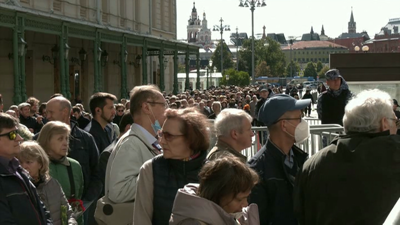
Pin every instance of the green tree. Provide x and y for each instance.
(310, 70)
(266, 50)
(181, 68)
(292, 69)
(319, 66)
(263, 70)
(321, 73)
(238, 78)
(227, 57)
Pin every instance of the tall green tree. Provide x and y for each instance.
(292, 69)
(321, 73)
(238, 78)
(263, 69)
(319, 66)
(310, 70)
(266, 50)
(226, 55)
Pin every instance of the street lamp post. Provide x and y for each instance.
(221, 29)
(252, 4)
(209, 69)
(237, 48)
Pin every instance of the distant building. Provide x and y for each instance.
(323, 37)
(197, 30)
(351, 38)
(310, 36)
(312, 51)
(388, 39)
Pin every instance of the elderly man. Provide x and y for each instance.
(355, 180)
(233, 129)
(19, 202)
(279, 160)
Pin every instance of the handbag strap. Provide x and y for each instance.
(153, 152)
(71, 180)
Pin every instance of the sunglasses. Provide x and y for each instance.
(168, 136)
(12, 135)
(120, 110)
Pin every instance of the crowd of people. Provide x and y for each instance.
(151, 159)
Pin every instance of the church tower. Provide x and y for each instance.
(194, 26)
(352, 24)
(322, 30)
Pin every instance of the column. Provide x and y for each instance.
(17, 98)
(66, 63)
(162, 72)
(175, 91)
(97, 63)
(144, 63)
(187, 84)
(198, 70)
(124, 88)
(61, 57)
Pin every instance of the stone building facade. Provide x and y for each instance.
(78, 47)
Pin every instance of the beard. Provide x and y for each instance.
(109, 120)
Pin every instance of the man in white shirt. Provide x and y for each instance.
(136, 146)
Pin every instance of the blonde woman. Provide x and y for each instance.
(54, 139)
(33, 158)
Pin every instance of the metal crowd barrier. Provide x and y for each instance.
(319, 133)
(312, 145)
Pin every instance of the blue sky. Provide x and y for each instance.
(292, 17)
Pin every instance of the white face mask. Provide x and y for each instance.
(237, 215)
(302, 132)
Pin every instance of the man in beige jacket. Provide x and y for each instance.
(136, 146)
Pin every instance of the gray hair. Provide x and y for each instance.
(216, 103)
(365, 111)
(230, 119)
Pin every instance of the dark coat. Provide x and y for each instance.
(355, 180)
(273, 194)
(102, 137)
(19, 202)
(30, 122)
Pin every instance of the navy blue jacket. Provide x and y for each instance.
(274, 193)
(19, 202)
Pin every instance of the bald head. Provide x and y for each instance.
(59, 109)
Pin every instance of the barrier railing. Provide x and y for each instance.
(320, 136)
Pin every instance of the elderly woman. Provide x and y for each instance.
(220, 198)
(184, 140)
(54, 139)
(34, 159)
(216, 108)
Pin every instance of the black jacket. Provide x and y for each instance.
(83, 149)
(169, 175)
(19, 202)
(273, 194)
(30, 122)
(355, 180)
(102, 137)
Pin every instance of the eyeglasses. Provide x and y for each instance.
(396, 120)
(298, 119)
(168, 136)
(12, 135)
(120, 110)
(165, 104)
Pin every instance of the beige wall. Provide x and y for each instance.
(126, 14)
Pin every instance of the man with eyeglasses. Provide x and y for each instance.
(19, 202)
(279, 159)
(355, 180)
(120, 110)
(135, 147)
